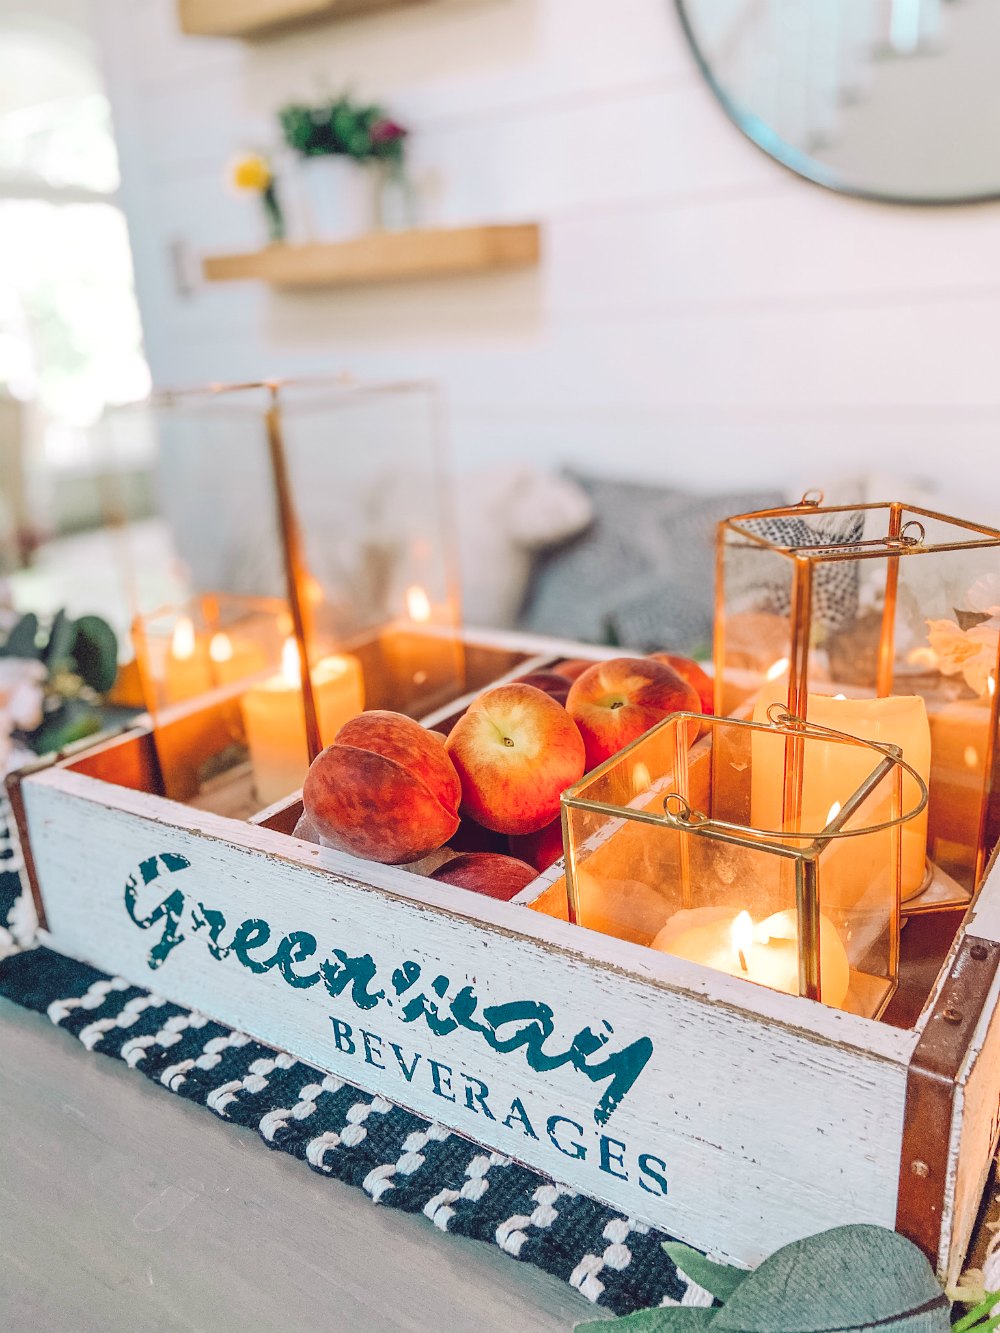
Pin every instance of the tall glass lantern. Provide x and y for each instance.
(883, 621)
(296, 565)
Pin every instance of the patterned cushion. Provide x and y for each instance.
(643, 573)
(835, 585)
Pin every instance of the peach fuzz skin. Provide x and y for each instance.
(516, 751)
(384, 790)
(693, 674)
(489, 873)
(616, 702)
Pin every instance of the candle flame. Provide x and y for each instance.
(291, 666)
(777, 669)
(971, 756)
(742, 938)
(182, 644)
(641, 778)
(833, 812)
(840, 696)
(418, 604)
(991, 685)
(221, 648)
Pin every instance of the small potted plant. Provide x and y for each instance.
(351, 161)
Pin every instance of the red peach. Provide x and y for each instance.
(616, 702)
(488, 873)
(472, 837)
(385, 790)
(573, 667)
(694, 675)
(516, 751)
(539, 849)
(549, 682)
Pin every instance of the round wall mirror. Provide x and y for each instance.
(889, 99)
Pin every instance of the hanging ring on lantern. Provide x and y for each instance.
(678, 813)
(812, 499)
(911, 534)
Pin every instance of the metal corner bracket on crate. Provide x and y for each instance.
(735, 1117)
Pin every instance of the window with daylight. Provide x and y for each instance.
(70, 340)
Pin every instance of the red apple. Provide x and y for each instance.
(573, 667)
(694, 675)
(549, 682)
(385, 790)
(616, 702)
(488, 873)
(516, 750)
(539, 849)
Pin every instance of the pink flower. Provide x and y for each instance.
(971, 653)
(387, 131)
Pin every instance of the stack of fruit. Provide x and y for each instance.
(480, 807)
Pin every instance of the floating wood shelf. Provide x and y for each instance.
(383, 256)
(247, 18)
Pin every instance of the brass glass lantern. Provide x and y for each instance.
(769, 850)
(882, 620)
(306, 528)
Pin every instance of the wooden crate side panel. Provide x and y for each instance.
(975, 1132)
(732, 1132)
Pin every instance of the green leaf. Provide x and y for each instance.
(846, 1279)
(62, 636)
(96, 653)
(21, 640)
(661, 1319)
(720, 1279)
(73, 722)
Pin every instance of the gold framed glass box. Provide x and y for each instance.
(769, 850)
(882, 620)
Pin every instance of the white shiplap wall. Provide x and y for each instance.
(700, 315)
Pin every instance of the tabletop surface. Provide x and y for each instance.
(122, 1207)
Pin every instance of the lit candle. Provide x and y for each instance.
(275, 721)
(766, 952)
(833, 772)
(422, 652)
(187, 671)
(232, 662)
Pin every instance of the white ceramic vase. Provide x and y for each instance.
(340, 197)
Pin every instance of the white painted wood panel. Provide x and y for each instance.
(765, 1123)
(689, 287)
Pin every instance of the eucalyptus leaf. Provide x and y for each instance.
(848, 1279)
(73, 722)
(96, 653)
(21, 641)
(660, 1319)
(719, 1279)
(62, 637)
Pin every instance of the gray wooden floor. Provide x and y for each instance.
(124, 1208)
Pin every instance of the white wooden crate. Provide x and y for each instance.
(734, 1117)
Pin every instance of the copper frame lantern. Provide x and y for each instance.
(687, 850)
(882, 620)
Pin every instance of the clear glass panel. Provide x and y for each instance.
(738, 893)
(898, 642)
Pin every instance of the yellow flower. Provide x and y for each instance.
(250, 172)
